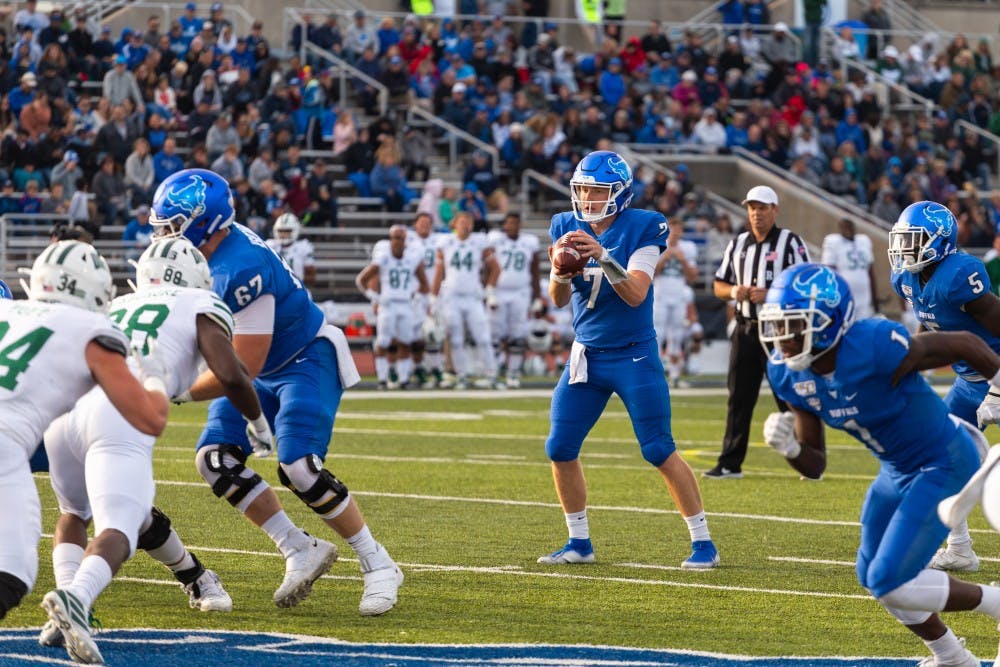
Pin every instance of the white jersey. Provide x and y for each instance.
(852, 259)
(42, 356)
(463, 264)
(515, 257)
(426, 247)
(297, 255)
(171, 313)
(397, 276)
(671, 285)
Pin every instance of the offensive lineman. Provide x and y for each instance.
(517, 292)
(55, 347)
(465, 263)
(301, 366)
(400, 275)
(102, 467)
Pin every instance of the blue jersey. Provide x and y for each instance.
(243, 269)
(905, 426)
(601, 318)
(940, 304)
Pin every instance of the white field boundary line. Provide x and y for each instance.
(848, 563)
(491, 394)
(515, 570)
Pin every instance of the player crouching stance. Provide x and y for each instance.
(301, 366)
(860, 377)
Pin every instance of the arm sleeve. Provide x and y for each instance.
(644, 259)
(256, 318)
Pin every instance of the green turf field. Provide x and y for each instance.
(459, 491)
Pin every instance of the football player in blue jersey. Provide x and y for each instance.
(5, 292)
(859, 376)
(948, 290)
(615, 350)
(301, 366)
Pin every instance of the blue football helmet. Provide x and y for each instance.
(807, 300)
(607, 172)
(193, 203)
(5, 292)
(923, 235)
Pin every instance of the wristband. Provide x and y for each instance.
(371, 295)
(556, 279)
(153, 383)
(733, 292)
(184, 397)
(613, 271)
(260, 424)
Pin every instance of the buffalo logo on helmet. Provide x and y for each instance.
(819, 284)
(621, 169)
(190, 198)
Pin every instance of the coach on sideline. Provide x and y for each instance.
(750, 264)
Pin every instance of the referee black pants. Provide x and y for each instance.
(747, 366)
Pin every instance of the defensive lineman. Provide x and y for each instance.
(297, 252)
(102, 467)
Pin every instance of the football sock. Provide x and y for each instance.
(93, 577)
(371, 555)
(698, 527)
(946, 648)
(458, 360)
(284, 533)
(403, 367)
(381, 369)
(514, 366)
(579, 527)
(990, 603)
(959, 537)
(66, 558)
(173, 554)
(489, 361)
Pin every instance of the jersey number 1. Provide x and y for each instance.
(16, 356)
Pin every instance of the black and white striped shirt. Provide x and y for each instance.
(747, 262)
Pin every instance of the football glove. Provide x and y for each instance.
(491, 297)
(260, 436)
(779, 433)
(153, 372)
(989, 410)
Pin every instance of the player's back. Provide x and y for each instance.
(903, 425)
(244, 268)
(600, 317)
(515, 259)
(939, 304)
(170, 314)
(43, 346)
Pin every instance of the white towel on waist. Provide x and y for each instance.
(349, 375)
(577, 363)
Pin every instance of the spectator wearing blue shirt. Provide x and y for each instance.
(8, 202)
(138, 233)
(736, 131)
(731, 12)
(20, 97)
(190, 23)
(663, 74)
(30, 201)
(388, 180)
(135, 50)
(457, 109)
(474, 203)
(612, 84)
(849, 130)
(388, 35)
(757, 12)
(480, 173)
(166, 161)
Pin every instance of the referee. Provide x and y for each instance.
(750, 264)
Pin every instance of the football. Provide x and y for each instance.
(566, 259)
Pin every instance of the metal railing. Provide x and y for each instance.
(903, 16)
(242, 19)
(530, 176)
(454, 134)
(345, 69)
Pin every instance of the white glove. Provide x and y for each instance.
(152, 368)
(260, 436)
(491, 297)
(779, 433)
(989, 410)
(372, 296)
(183, 397)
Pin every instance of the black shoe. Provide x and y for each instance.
(721, 472)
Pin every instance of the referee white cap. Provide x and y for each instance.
(763, 194)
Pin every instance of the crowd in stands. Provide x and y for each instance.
(235, 108)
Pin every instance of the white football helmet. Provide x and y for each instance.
(286, 229)
(540, 337)
(172, 261)
(73, 273)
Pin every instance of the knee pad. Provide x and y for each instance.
(12, 591)
(657, 452)
(315, 486)
(156, 533)
(561, 451)
(928, 591)
(517, 345)
(908, 617)
(696, 331)
(223, 467)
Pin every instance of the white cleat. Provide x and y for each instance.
(966, 659)
(513, 382)
(51, 635)
(955, 561)
(207, 594)
(302, 568)
(72, 619)
(381, 588)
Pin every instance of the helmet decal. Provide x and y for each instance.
(820, 285)
(190, 198)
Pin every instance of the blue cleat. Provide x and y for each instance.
(704, 556)
(575, 551)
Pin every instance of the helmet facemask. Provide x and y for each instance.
(586, 208)
(777, 324)
(911, 248)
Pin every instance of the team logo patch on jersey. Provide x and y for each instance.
(820, 284)
(190, 198)
(815, 403)
(908, 291)
(805, 388)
